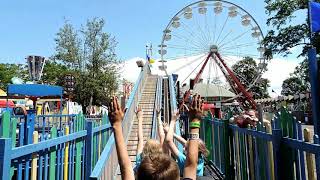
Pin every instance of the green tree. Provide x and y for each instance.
(90, 53)
(298, 82)
(292, 85)
(8, 71)
(246, 70)
(285, 33)
(53, 72)
(68, 48)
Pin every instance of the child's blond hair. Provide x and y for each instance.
(151, 147)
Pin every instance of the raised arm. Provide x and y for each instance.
(195, 114)
(180, 139)
(116, 116)
(161, 133)
(169, 136)
(139, 114)
(177, 137)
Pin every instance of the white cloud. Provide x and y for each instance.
(129, 69)
(278, 71)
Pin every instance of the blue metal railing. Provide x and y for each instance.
(174, 107)
(267, 151)
(157, 104)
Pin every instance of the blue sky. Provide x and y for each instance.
(29, 27)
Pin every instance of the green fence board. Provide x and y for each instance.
(208, 137)
(53, 156)
(5, 125)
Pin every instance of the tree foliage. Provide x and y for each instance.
(298, 82)
(291, 86)
(89, 54)
(285, 33)
(8, 71)
(247, 70)
(53, 73)
(68, 48)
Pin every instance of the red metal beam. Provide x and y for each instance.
(240, 87)
(196, 79)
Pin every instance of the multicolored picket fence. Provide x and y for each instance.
(51, 146)
(277, 150)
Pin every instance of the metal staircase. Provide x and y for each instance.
(147, 103)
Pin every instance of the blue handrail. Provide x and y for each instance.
(157, 104)
(174, 107)
(32, 148)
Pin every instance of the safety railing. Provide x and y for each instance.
(157, 105)
(106, 166)
(67, 153)
(274, 150)
(43, 123)
(174, 108)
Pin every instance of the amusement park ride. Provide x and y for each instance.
(217, 43)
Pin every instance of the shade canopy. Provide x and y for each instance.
(37, 90)
(210, 90)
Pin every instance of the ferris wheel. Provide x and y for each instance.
(216, 34)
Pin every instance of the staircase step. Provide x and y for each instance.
(131, 148)
(144, 126)
(144, 123)
(145, 134)
(135, 138)
(148, 98)
(132, 153)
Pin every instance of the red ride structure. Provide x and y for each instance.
(245, 98)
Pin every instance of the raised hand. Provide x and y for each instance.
(158, 110)
(195, 108)
(165, 127)
(175, 115)
(115, 112)
(139, 112)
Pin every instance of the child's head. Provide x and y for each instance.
(158, 167)
(151, 147)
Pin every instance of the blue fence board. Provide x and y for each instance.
(317, 156)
